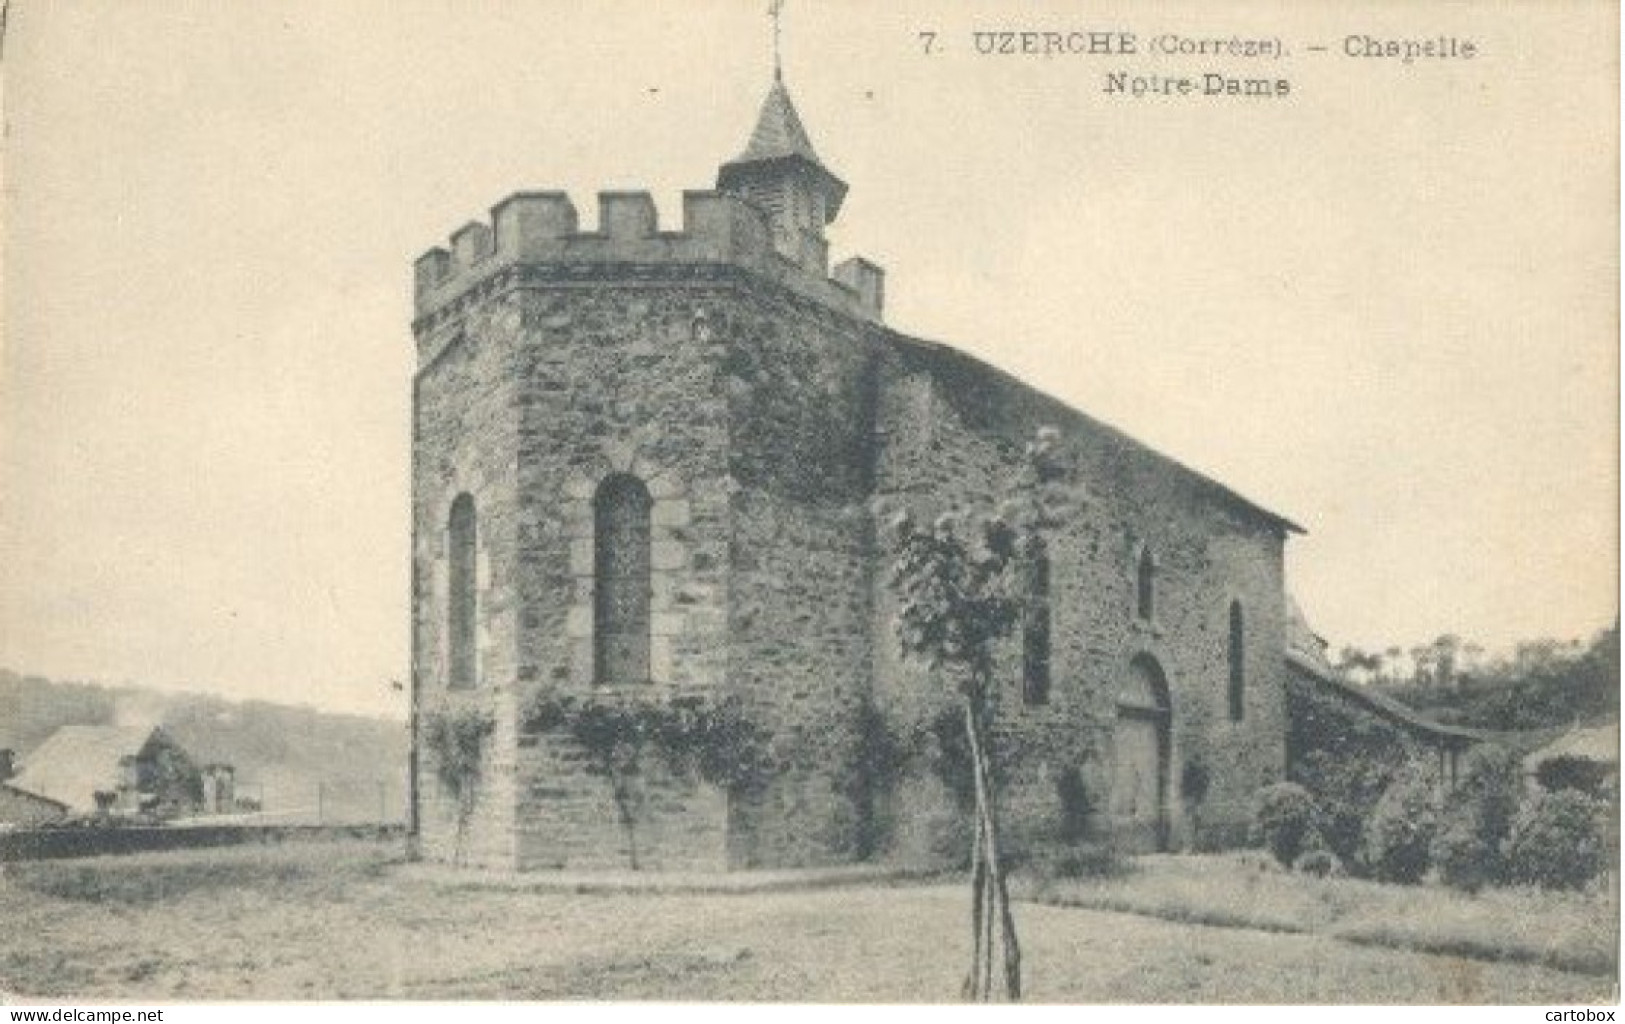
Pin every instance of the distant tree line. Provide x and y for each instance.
(1541, 683)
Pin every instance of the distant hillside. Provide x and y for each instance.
(300, 763)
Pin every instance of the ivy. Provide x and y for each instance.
(878, 760)
(715, 742)
(456, 735)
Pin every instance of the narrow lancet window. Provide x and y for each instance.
(1238, 663)
(463, 595)
(621, 581)
(1145, 585)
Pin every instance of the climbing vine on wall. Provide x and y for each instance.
(691, 737)
(455, 735)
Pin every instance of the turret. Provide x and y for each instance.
(781, 175)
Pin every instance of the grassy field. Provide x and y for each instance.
(340, 921)
(1569, 931)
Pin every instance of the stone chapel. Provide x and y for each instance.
(649, 462)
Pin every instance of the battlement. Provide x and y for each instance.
(541, 228)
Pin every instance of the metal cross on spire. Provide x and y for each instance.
(775, 10)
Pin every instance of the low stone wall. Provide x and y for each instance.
(61, 843)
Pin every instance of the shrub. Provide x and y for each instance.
(1283, 819)
(1077, 806)
(879, 759)
(1580, 773)
(456, 734)
(1346, 786)
(1467, 847)
(1347, 758)
(1401, 830)
(1557, 841)
(1319, 862)
(1095, 859)
(950, 757)
(714, 741)
(1491, 780)
(1465, 861)
(1194, 782)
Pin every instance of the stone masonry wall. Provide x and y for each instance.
(769, 417)
(619, 377)
(465, 429)
(799, 385)
(952, 432)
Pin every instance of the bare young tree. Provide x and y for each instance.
(958, 597)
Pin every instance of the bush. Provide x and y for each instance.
(1283, 819)
(1077, 806)
(1319, 862)
(1096, 859)
(1580, 773)
(1557, 841)
(1401, 830)
(1465, 861)
(950, 758)
(1467, 848)
(1347, 757)
(1491, 781)
(456, 736)
(1346, 786)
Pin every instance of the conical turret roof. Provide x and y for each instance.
(778, 145)
(779, 132)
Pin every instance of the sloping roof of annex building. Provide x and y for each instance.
(1597, 743)
(1306, 651)
(992, 398)
(80, 760)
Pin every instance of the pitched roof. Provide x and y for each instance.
(985, 394)
(1600, 744)
(31, 798)
(779, 132)
(79, 760)
(1303, 643)
(1306, 651)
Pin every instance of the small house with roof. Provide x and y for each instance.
(107, 769)
(1580, 758)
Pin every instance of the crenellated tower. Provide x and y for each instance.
(627, 439)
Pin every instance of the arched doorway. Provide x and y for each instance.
(1140, 754)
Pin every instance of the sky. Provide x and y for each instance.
(1384, 306)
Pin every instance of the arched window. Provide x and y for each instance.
(1036, 630)
(1145, 584)
(1238, 663)
(462, 603)
(621, 588)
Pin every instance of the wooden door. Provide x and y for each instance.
(1140, 754)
